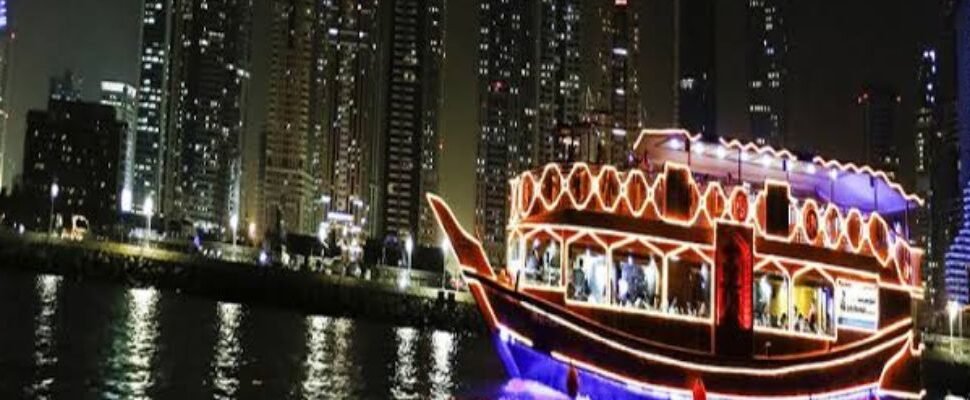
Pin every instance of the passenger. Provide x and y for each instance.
(579, 286)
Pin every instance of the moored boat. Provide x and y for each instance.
(704, 270)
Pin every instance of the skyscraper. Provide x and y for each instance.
(351, 92)
(209, 77)
(507, 123)
(957, 260)
(151, 138)
(66, 87)
(767, 51)
(618, 59)
(287, 181)
(407, 145)
(695, 62)
(123, 98)
(880, 104)
(557, 69)
(6, 43)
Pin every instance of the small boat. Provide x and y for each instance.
(703, 269)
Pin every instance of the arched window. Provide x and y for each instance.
(638, 276)
(771, 297)
(542, 260)
(813, 303)
(689, 284)
(588, 278)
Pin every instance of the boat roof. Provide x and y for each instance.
(844, 184)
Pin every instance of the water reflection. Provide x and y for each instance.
(404, 381)
(129, 366)
(227, 351)
(44, 334)
(440, 375)
(327, 364)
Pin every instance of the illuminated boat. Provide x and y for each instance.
(707, 270)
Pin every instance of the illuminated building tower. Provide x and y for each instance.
(880, 105)
(6, 43)
(767, 49)
(695, 62)
(957, 262)
(618, 58)
(350, 49)
(287, 185)
(124, 99)
(153, 101)
(66, 87)
(407, 166)
(506, 141)
(75, 144)
(556, 73)
(928, 158)
(209, 77)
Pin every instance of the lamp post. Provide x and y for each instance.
(409, 247)
(149, 209)
(445, 245)
(952, 308)
(55, 190)
(234, 225)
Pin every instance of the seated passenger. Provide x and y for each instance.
(578, 289)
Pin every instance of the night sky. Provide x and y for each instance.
(836, 47)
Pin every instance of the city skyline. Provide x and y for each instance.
(457, 131)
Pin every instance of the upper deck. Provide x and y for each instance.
(816, 211)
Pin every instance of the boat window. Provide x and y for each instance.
(771, 299)
(542, 266)
(588, 274)
(688, 286)
(678, 197)
(777, 211)
(637, 278)
(813, 304)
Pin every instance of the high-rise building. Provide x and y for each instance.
(66, 87)
(507, 123)
(957, 262)
(76, 145)
(151, 136)
(350, 51)
(6, 43)
(695, 63)
(209, 79)
(556, 72)
(123, 98)
(618, 56)
(406, 159)
(880, 105)
(287, 185)
(767, 45)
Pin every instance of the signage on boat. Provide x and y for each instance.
(858, 305)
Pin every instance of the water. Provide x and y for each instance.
(64, 339)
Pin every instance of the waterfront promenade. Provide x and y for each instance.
(241, 282)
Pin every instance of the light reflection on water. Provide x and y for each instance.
(85, 340)
(404, 382)
(227, 351)
(129, 365)
(45, 358)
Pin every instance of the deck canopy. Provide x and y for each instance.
(844, 184)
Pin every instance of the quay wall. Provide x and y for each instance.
(309, 292)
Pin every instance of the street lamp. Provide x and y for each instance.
(952, 308)
(234, 225)
(445, 246)
(409, 247)
(149, 209)
(55, 190)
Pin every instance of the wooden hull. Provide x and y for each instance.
(545, 340)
